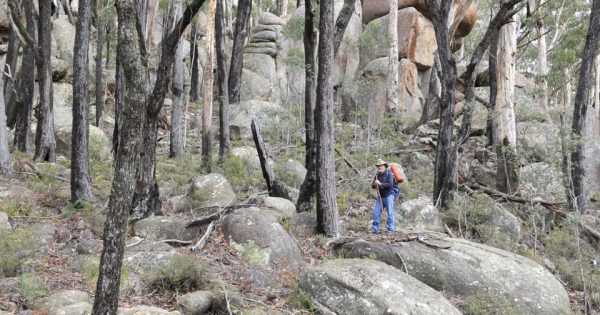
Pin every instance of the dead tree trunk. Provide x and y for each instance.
(275, 188)
(542, 58)
(432, 104)
(81, 183)
(392, 85)
(177, 140)
(506, 131)
(10, 67)
(45, 142)
(195, 70)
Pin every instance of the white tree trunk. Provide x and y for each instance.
(542, 61)
(208, 86)
(566, 101)
(392, 89)
(506, 131)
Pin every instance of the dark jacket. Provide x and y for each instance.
(387, 181)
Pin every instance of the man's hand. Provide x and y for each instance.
(377, 182)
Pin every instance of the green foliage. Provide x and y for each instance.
(371, 37)
(252, 253)
(183, 274)
(561, 243)
(420, 183)
(178, 172)
(295, 58)
(240, 175)
(14, 209)
(16, 246)
(294, 28)
(488, 304)
(78, 206)
(32, 286)
(301, 300)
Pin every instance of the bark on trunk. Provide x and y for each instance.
(45, 142)
(308, 188)
(439, 17)
(5, 166)
(342, 22)
(432, 104)
(242, 26)
(224, 132)
(146, 200)
(327, 209)
(126, 161)
(208, 89)
(282, 7)
(392, 87)
(580, 109)
(176, 145)
(23, 98)
(99, 70)
(81, 183)
(493, 70)
(507, 180)
(195, 77)
(9, 76)
(542, 59)
(119, 104)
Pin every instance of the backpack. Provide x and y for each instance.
(398, 178)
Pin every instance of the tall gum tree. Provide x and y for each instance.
(328, 221)
(81, 183)
(580, 110)
(139, 103)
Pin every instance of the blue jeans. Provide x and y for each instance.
(388, 202)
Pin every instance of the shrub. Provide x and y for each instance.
(301, 300)
(32, 286)
(15, 247)
(182, 274)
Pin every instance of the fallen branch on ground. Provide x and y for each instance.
(214, 216)
(176, 242)
(204, 238)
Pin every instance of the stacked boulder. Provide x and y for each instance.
(260, 60)
(416, 51)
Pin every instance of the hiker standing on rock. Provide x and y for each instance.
(384, 183)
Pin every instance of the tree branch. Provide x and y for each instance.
(341, 23)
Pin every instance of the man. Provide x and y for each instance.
(383, 182)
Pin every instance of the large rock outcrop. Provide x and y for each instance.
(467, 269)
(365, 286)
(212, 190)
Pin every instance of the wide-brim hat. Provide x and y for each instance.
(381, 162)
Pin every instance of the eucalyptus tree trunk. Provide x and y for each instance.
(307, 193)
(81, 183)
(10, 66)
(99, 70)
(23, 98)
(328, 221)
(282, 7)
(224, 130)
(578, 127)
(493, 71)
(45, 142)
(432, 104)
(177, 140)
(341, 23)
(126, 160)
(146, 200)
(195, 77)
(393, 76)
(5, 166)
(242, 28)
(542, 58)
(439, 17)
(507, 167)
(208, 88)
(139, 105)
